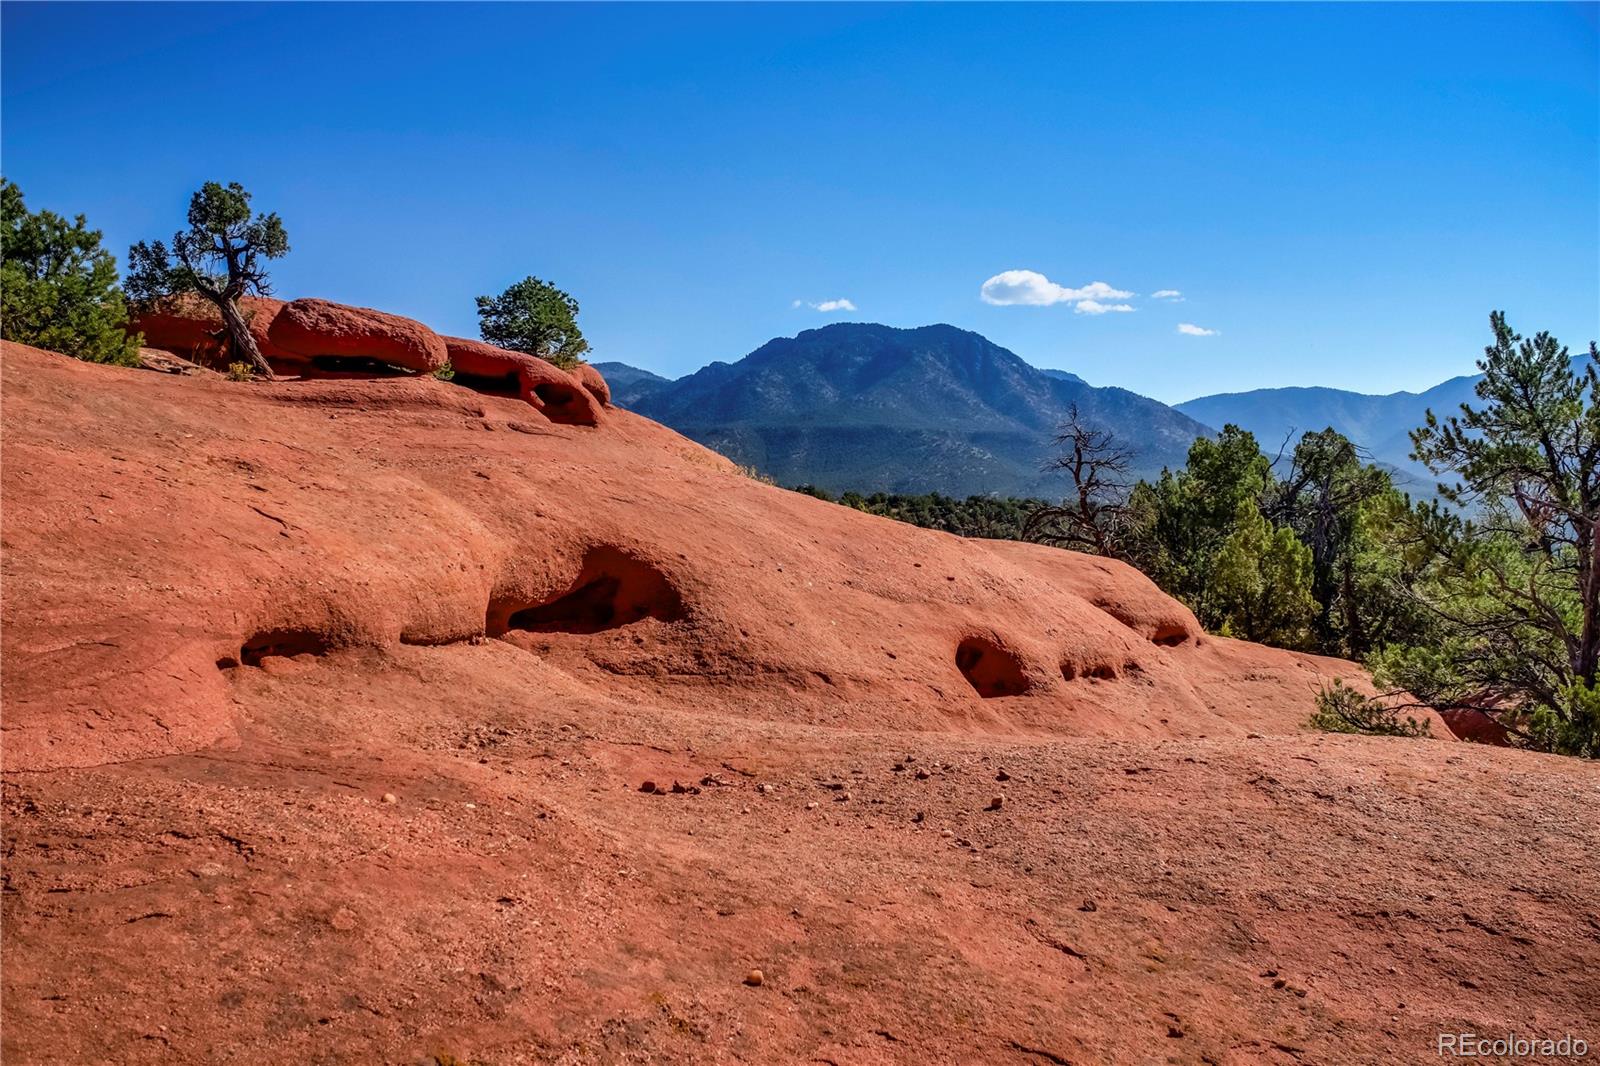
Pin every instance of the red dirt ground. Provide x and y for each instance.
(328, 705)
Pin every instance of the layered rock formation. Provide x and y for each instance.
(562, 397)
(310, 338)
(315, 329)
(388, 720)
(413, 511)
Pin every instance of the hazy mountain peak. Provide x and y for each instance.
(861, 405)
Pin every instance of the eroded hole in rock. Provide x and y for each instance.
(563, 403)
(612, 589)
(353, 366)
(279, 642)
(1096, 672)
(490, 385)
(1169, 636)
(990, 669)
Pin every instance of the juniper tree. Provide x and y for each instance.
(221, 257)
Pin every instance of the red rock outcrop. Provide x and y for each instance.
(190, 326)
(329, 704)
(313, 328)
(878, 615)
(595, 382)
(559, 395)
(321, 339)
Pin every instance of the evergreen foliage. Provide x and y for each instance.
(58, 286)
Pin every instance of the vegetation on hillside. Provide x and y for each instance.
(220, 257)
(535, 317)
(995, 517)
(1488, 600)
(58, 286)
(1510, 576)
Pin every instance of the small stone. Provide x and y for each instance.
(947, 832)
(648, 786)
(1174, 1032)
(1252, 736)
(1002, 775)
(812, 805)
(764, 788)
(390, 797)
(917, 817)
(923, 775)
(472, 806)
(1089, 906)
(996, 803)
(755, 978)
(843, 797)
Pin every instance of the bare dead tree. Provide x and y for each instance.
(1094, 516)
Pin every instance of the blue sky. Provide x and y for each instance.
(1341, 193)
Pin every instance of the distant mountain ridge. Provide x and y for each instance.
(940, 409)
(629, 382)
(877, 408)
(1379, 424)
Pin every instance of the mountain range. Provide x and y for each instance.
(940, 409)
(875, 408)
(1380, 424)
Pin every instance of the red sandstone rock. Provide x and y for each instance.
(190, 326)
(311, 328)
(594, 381)
(238, 618)
(429, 541)
(547, 387)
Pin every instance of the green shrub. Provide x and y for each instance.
(58, 287)
(1341, 709)
(535, 317)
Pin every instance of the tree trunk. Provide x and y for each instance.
(1352, 613)
(1586, 664)
(242, 341)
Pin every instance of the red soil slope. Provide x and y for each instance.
(328, 705)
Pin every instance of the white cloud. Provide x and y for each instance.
(826, 305)
(1095, 307)
(1167, 294)
(1189, 329)
(1029, 288)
